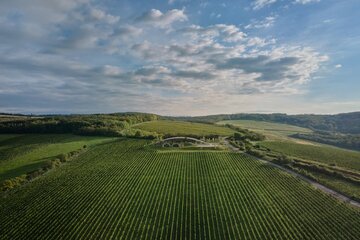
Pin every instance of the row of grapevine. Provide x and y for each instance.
(122, 191)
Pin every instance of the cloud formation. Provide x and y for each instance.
(89, 55)
(265, 23)
(306, 1)
(258, 4)
(163, 20)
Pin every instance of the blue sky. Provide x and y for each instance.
(179, 57)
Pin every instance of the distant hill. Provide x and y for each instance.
(347, 123)
(344, 123)
(115, 124)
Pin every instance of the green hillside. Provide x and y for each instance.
(329, 155)
(270, 129)
(343, 122)
(174, 128)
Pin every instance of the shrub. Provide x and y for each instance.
(13, 182)
(62, 157)
(138, 134)
(283, 159)
(34, 174)
(51, 164)
(255, 153)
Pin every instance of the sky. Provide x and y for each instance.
(179, 57)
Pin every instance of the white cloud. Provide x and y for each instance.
(102, 16)
(258, 4)
(163, 20)
(259, 42)
(230, 33)
(338, 66)
(305, 1)
(112, 71)
(265, 23)
(227, 33)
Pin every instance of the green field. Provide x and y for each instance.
(269, 129)
(120, 190)
(348, 188)
(176, 128)
(20, 154)
(323, 154)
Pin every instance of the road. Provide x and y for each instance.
(316, 185)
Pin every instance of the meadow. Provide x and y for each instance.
(122, 190)
(269, 129)
(175, 128)
(340, 185)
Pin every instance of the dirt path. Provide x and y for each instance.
(316, 185)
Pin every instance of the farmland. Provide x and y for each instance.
(173, 128)
(120, 190)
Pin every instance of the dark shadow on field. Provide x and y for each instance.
(25, 139)
(10, 140)
(13, 152)
(39, 162)
(23, 169)
(23, 144)
(111, 141)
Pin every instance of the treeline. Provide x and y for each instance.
(349, 141)
(243, 139)
(344, 122)
(95, 124)
(245, 134)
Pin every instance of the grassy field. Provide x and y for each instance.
(329, 155)
(269, 129)
(119, 190)
(20, 154)
(176, 128)
(340, 185)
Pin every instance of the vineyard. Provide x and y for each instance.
(120, 190)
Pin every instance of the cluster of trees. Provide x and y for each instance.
(117, 124)
(245, 134)
(243, 138)
(349, 141)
